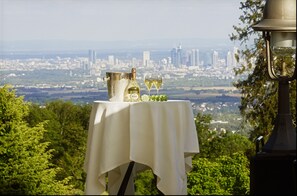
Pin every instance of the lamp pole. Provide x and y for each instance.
(273, 169)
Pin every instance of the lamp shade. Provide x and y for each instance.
(278, 15)
(283, 39)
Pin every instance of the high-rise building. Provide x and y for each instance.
(229, 59)
(111, 60)
(177, 56)
(85, 65)
(92, 56)
(194, 57)
(215, 58)
(146, 58)
(174, 56)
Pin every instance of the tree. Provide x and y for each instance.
(145, 183)
(25, 166)
(213, 144)
(67, 133)
(259, 93)
(222, 166)
(226, 175)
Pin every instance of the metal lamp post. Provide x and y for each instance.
(273, 169)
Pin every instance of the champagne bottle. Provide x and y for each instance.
(132, 92)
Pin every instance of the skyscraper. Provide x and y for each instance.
(146, 58)
(229, 59)
(92, 56)
(111, 60)
(174, 56)
(194, 58)
(215, 58)
(177, 56)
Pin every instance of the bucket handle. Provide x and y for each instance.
(106, 78)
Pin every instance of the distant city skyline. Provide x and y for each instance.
(116, 20)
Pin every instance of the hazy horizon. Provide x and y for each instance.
(83, 23)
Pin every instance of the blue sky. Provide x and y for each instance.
(112, 20)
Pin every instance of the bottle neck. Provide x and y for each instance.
(133, 74)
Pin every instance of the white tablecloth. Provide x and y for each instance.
(158, 135)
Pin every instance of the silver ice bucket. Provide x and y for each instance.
(116, 85)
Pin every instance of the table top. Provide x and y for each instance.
(159, 135)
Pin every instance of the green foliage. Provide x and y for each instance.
(202, 126)
(259, 94)
(67, 133)
(222, 166)
(214, 143)
(145, 183)
(226, 175)
(24, 160)
(227, 144)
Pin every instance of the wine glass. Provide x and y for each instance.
(148, 81)
(157, 81)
